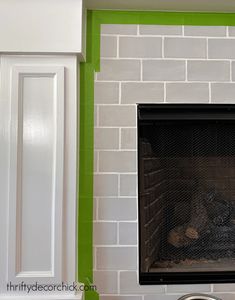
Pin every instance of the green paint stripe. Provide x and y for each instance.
(94, 20)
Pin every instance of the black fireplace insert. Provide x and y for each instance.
(186, 193)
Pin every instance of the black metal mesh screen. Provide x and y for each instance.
(187, 195)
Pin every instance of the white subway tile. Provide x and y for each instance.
(223, 92)
(208, 70)
(127, 233)
(118, 29)
(129, 285)
(119, 70)
(206, 31)
(105, 233)
(116, 258)
(160, 70)
(189, 288)
(117, 161)
(106, 138)
(117, 209)
(106, 92)
(105, 185)
(117, 115)
(140, 47)
(108, 46)
(185, 48)
(160, 29)
(221, 48)
(187, 92)
(128, 185)
(106, 282)
(142, 92)
(128, 138)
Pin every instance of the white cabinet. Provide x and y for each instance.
(38, 138)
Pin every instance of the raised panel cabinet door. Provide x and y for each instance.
(38, 167)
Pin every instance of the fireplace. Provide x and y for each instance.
(186, 183)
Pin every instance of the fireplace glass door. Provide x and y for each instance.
(186, 180)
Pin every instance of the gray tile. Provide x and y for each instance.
(118, 29)
(106, 138)
(117, 161)
(106, 92)
(105, 185)
(116, 258)
(105, 233)
(114, 297)
(160, 70)
(128, 185)
(223, 92)
(108, 46)
(185, 48)
(117, 115)
(117, 209)
(187, 92)
(189, 288)
(233, 71)
(162, 297)
(119, 70)
(205, 31)
(129, 138)
(231, 30)
(106, 281)
(229, 287)
(129, 285)
(127, 233)
(140, 47)
(139, 92)
(160, 29)
(221, 48)
(208, 70)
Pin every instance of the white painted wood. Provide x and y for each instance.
(163, 5)
(36, 172)
(38, 137)
(42, 26)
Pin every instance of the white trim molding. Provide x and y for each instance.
(48, 26)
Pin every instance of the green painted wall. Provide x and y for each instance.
(87, 71)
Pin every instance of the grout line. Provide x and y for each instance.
(98, 163)
(231, 71)
(155, 81)
(118, 232)
(141, 70)
(116, 246)
(118, 282)
(95, 260)
(207, 49)
(97, 115)
(163, 47)
(119, 138)
(209, 92)
(138, 30)
(227, 31)
(119, 179)
(119, 92)
(118, 43)
(165, 58)
(186, 70)
(164, 91)
(176, 36)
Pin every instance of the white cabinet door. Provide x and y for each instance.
(38, 138)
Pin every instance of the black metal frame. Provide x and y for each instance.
(151, 112)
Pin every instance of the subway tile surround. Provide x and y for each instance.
(146, 64)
